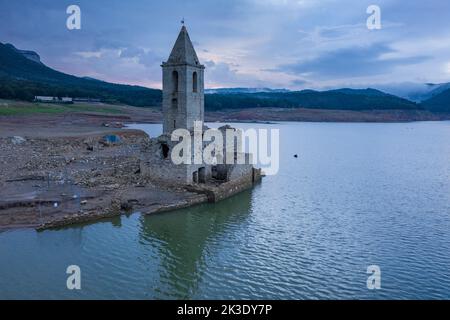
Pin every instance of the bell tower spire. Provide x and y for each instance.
(183, 85)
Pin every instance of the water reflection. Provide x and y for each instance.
(186, 239)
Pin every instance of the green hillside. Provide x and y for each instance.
(344, 99)
(21, 78)
(439, 102)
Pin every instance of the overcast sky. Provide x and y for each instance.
(295, 44)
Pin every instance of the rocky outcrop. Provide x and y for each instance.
(31, 55)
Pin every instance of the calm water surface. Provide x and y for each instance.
(357, 195)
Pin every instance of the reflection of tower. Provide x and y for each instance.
(185, 238)
(183, 86)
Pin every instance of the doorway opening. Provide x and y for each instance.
(195, 176)
(202, 175)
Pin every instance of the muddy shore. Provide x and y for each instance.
(68, 168)
(59, 169)
(48, 182)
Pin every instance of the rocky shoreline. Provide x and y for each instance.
(51, 182)
(54, 180)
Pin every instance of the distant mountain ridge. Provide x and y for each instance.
(342, 99)
(23, 76)
(435, 98)
(242, 90)
(433, 89)
(439, 101)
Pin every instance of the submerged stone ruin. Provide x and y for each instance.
(183, 106)
(59, 180)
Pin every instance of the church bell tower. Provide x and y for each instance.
(183, 86)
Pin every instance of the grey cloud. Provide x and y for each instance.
(220, 71)
(132, 52)
(299, 82)
(259, 34)
(146, 58)
(351, 62)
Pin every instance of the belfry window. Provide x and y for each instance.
(194, 82)
(175, 81)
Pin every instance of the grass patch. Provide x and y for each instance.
(12, 108)
(15, 110)
(92, 108)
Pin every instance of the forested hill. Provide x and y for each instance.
(344, 99)
(439, 102)
(23, 78)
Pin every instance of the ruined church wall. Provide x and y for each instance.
(165, 172)
(233, 187)
(239, 171)
(156, 167)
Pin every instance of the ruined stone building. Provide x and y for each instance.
(183, 104)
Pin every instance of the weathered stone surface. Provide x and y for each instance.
(183, 86)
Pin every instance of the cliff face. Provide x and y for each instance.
(31, 55)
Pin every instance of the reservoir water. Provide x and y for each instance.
(357, 195)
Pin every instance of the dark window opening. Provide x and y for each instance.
(214, 172)
(174, 124)
(202, 175)
(174, 103)
(165, 150)
(219, 172)
(195, 176)
(174, 81)
(194, 82)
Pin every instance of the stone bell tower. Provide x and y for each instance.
(183, 86)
